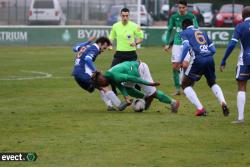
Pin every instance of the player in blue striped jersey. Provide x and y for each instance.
(84, 63)
(201, 49)
(84, 69)
(242, 33)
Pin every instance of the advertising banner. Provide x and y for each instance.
(68, 35)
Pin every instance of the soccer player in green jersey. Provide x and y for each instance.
(125, 75)
(127, 35)
(176, 21)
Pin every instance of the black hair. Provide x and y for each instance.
(182, 2)
(246, 12)
(186, 23)
(124, 10)
(103, 40)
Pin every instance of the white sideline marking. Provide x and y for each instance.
(43, 75)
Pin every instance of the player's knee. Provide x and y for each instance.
(184, 85)
(210, 83)
(144, 64)
(242, 85)
(186, 82)
(185, 64)
(91, 89)
(154, 94)
(176, 66)
(106, 89)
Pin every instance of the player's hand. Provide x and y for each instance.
(133, 44)
(181, 65)
(91, 39)
(110, 47)
(128, 100)
(154, 84)
(166, 48)
(222, 68)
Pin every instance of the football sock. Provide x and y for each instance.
(105, 98)
(176, 79)
(134, 92)
(218, 93)
(241, 99)
(162, 97)
(113, 98)
(181, 75)
(192, 97)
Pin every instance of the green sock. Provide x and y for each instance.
(134, 92)
(162, 97)
(176, 79)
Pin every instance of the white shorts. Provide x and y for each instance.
(176, 54)
(145, 75)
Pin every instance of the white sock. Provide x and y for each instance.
(192, 97)
(218, 93)
(105, 98)
(181, 75)
(241, 99)
(113, 98)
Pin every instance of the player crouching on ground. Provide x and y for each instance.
(125, 75)
(84, 69)
(202, 63)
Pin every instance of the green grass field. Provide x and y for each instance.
(68, 127)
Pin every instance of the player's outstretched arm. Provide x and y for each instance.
(222, 68)
(169, 30)
(154, 84)
(212, 49)
(141, 81)
(78, 46)
(229, 50)
(128, 100)
(124, 93)
(169, 46)
(91, 39)
(185, 50)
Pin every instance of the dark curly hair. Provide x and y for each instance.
(182, 2)
(246, 12)
(103, 40)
